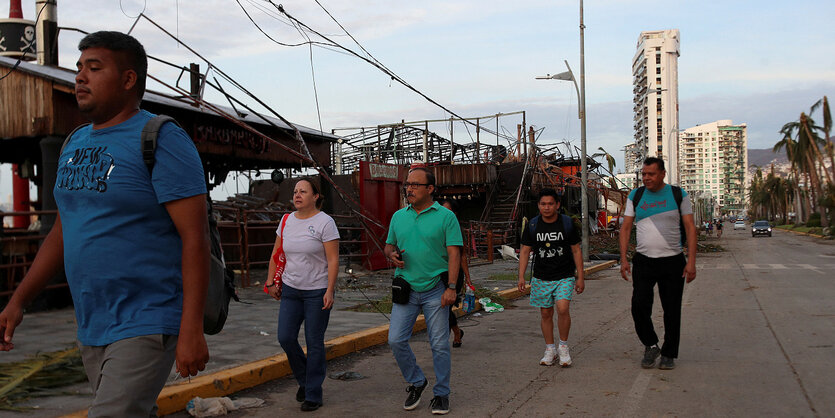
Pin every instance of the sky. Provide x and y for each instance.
(756, 62)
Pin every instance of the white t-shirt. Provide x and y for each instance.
(657, 218)
(307, 265)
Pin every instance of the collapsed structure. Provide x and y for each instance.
(360, 170)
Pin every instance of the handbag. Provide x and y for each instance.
(400, 290)
(280, 261)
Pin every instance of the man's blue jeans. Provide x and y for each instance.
(403, 318)
(297, 306)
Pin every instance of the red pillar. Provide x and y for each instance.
(20, 198)
(15, 12)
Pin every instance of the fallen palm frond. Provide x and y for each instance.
(39, 376)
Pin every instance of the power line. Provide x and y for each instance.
(262, 31)
(374, 63)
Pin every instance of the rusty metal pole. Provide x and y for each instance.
(452, 141)
(518, 139)
(490, 245)
(477, 141)
(531, 134)
(426, 142)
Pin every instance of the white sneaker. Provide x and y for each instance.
(548, 358)
(565, 359)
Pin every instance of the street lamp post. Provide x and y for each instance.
(584, 199)
(581, 113)
(584, 170)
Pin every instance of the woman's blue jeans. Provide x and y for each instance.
(299, 306)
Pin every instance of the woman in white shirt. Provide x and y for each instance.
(311, 247)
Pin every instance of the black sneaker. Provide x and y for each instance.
(650, 354)
(300, 394)
(310, 406)
(440, 405)
(413, 399)
(667, 363)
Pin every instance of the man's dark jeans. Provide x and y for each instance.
(667, 273)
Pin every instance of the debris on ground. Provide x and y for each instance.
(346, 375)
(212, 407)
(38, 376)
(490, 306)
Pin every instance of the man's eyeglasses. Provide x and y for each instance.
(415, 185)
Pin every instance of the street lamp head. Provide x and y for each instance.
(565, 76)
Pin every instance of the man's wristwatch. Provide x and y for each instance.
(450, 285)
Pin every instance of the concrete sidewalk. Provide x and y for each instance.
(247, 343)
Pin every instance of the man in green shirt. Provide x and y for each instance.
(423, 242)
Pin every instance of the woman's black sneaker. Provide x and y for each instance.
(413, 399)
(667, 363)
(300, 394)
(310, 406)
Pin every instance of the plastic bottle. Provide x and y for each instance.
(469, 300)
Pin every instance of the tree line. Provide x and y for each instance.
(809, 188)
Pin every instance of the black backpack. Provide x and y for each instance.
(221, 286)
(677, 195)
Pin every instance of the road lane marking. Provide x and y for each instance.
(751, 266)
(636, 394)
(810, 267)
(778, 266)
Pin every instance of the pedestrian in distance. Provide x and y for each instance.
(557, 272)
(310, 241)
(131, 240)
(719, 228)
(658, 260)
(463, 278)
(423, 243)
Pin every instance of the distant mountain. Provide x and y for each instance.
(765, 157)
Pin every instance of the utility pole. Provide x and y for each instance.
(584, 204)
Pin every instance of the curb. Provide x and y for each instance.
(802, 233)
(174, 397)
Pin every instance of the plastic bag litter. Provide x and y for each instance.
(346, 375)
(210, 407)
(490, 306)
(508, 253)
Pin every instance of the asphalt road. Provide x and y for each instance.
(758, 339)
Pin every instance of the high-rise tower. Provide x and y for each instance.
(714, 162)
(655, 90)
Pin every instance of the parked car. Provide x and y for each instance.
(739, 224)
(760, 228)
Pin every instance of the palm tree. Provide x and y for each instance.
(827, 128)
(791, 190)
(806, 153)
(775, 191)
(757, 196)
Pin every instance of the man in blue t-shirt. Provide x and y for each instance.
(658, 259)
(132, 240)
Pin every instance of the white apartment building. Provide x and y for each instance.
(714, 162)
(632, 158)
(626, 180)
(655, 102)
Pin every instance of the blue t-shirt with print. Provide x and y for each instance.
(122, 252)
